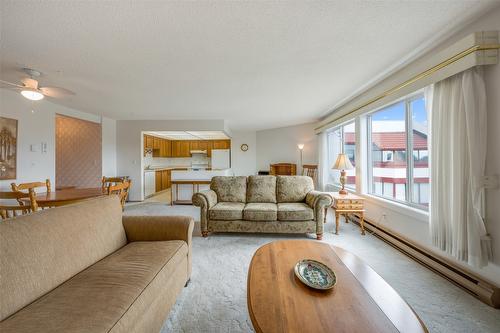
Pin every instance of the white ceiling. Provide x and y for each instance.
(255, 64)
(189, 135)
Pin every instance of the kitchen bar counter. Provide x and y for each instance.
(186, 183)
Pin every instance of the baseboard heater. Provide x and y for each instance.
(482, 289)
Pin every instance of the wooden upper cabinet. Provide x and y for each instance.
(221, 144)
(168, 148)
(181, 148)
(156, 143)
(198, 145)
(148, 141)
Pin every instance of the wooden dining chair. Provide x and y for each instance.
(310, 170)
(23, 187)
(120, 189)
(107, 181)
(33, 185)
(21, 207)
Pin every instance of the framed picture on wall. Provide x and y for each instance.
(8, 148)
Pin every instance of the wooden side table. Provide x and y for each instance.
(345, 204)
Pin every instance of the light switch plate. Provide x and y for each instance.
(33, 148)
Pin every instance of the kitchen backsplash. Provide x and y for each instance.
(169, 161)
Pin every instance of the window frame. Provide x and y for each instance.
(340, 128)
(410, 163)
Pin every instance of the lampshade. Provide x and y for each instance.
(300, 146)
(342, 163)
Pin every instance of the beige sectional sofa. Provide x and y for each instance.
(85, 268)
(270, 204)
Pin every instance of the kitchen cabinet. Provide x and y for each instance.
(181, 148)
(165, 179)
(221, 144)
(198, 145)
(167, 148)
(158, 180)
(148, 141)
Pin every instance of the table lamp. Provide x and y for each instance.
(343, 163)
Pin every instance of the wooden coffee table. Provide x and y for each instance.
(361, 301)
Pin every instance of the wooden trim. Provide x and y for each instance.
(481, 288)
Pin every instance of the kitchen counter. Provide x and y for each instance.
(168, 168)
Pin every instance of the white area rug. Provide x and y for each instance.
(215, 299)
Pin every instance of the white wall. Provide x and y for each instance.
(244, 163)
(280, 145)
(35, 128)
(129, 143)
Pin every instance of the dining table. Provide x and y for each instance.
(67, 196)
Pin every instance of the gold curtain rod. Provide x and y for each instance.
(420, 76)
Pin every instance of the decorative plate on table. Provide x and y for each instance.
(315, 274)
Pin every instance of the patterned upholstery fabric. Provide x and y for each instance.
(300, 209)
(292, 227)
(227, 211)
(260, 212)
(261, 189)
(205, 200)
(230, 189)
(295, 211)
(293, 188)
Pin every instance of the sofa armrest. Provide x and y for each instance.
(319, 202)
(205, 200)
(158, 228)
(161, 228)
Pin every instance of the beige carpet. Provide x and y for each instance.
(215, 300)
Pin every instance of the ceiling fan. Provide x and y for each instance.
(31, 90)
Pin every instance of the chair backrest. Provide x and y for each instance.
(21, 207)
(108, 181)
(310, 170)
(120, 189)
(283, 169)
(32, 185)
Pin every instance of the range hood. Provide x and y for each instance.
(198, 152)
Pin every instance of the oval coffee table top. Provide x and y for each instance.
(361, 301)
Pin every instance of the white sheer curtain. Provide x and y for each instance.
(323, 161)
(458, 154)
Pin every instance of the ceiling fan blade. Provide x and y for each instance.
(10, 84)
(30, 83)
(56, 92)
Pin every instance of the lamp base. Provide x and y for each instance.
(342, 191)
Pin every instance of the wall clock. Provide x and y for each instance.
(244, 147)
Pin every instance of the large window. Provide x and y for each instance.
(342, 139)
(398, 152)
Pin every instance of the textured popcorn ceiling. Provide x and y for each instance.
(256, 64)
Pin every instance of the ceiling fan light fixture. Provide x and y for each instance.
(32, 94)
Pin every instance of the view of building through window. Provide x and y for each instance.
(346, 135)
(395, 174)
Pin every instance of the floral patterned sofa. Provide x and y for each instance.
(270, 204)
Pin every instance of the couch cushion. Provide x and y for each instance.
(294, 211)
(261, 189)
(293, 188)
(42, 250)
(260, 212)
(97, 299)
(227, 211)
(230, 189)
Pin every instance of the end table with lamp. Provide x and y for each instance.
(345, 203)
